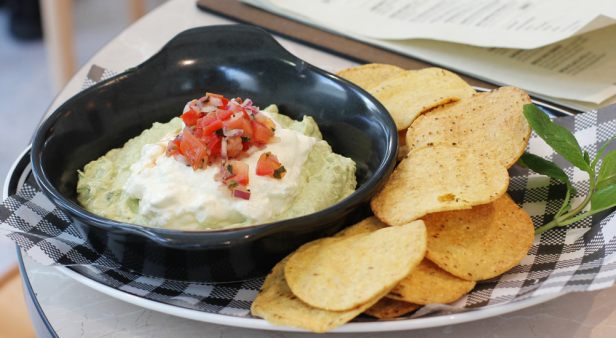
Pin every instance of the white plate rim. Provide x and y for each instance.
(353, 327)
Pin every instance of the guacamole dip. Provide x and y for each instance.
(139, 184)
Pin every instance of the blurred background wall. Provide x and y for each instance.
(27, 89)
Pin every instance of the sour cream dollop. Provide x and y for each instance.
(172, 194)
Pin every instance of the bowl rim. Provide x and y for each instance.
(372, 184)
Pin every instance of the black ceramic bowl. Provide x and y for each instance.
(233, 61)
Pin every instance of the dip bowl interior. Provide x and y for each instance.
(234, 61)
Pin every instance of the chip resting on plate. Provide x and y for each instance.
(426, 284)
(482, 242)
(437, 178)
(279, 306)
(342, 273)
(429, 284)
(412, 92)
(387, 308)
(367, 76)
(491, 123)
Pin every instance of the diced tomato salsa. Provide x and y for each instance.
(220, 131)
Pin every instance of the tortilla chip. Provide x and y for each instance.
(370, 75)
(482, 242)
(412, 92)
(437, 178)
(426, 284)
(279, 306)
(387, 308)
(492, 124)
(429, 284)
(343, 273)
(370, 224)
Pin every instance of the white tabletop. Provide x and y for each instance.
(75, 310)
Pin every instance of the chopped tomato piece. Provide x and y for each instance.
(260, 132)
(223, 114)
(238, 121)
(212, 143)
(198, 132)
(210, 129)
(240, 169)
(273, 158)
(265, 168)
(190, 117)
(235, 122)
(192, 148)
(247, 128)
(207, 119)
(268, 165)
(224, 102)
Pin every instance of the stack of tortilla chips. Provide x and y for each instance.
(443, 220)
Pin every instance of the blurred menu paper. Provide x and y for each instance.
(485, 23)
(564, 51)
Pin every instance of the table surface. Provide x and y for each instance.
(74, 310)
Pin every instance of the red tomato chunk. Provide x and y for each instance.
(268, 165)
(193, 149)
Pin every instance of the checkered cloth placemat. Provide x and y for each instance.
(96, 75)
(580, 257)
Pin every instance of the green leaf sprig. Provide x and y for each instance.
(602, 188)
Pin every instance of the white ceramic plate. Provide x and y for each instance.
(260, 324)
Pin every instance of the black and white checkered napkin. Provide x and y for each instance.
(580, 257)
